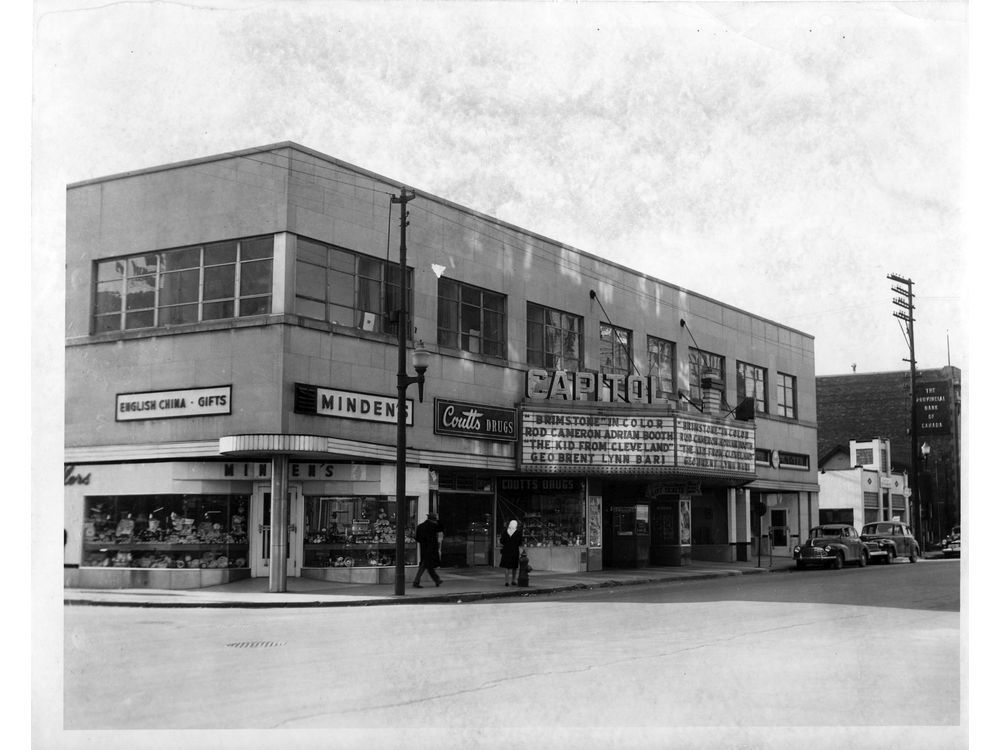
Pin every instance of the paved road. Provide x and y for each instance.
(927, 585)
(858, 649)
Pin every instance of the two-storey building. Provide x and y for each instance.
(230, 333)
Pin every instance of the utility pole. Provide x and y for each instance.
(904, 288)
(402, 381)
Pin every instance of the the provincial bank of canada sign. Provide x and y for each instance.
(620, 440)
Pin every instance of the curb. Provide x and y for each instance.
(456, 598)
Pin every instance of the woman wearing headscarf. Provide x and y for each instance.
(511, 542)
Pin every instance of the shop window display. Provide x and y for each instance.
(353, 531)
(551, 511)
(165, 531)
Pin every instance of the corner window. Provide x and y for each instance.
(751, 382)
(616, 350)
(702, 362)
(471, 319)
(786, 397)
(554, 338)
(661, 364)
(219, 280)
(343, 287)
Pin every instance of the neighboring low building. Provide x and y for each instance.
(857, 485)
(231, 336)
(880, 404)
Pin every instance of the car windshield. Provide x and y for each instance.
(877, 528)
(824, 531)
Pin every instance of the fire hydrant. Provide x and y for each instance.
(523, 568)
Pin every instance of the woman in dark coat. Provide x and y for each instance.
(511, 542)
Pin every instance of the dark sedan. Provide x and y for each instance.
(889, 540)
(831, 545)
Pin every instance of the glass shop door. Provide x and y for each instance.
(260, 530)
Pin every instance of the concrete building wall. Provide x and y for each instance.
(240, 355)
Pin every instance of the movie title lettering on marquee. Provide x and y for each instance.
(726, 447)
(474, 420)
(331, 402)
(595, 443)
(634, 443)
(190, 402)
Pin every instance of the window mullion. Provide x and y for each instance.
(156, 290)
(236, 279)
(201, 283)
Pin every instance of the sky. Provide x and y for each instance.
(781, 157)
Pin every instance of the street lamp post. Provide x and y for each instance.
(403, 381)
(925, 452)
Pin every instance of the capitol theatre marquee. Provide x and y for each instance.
(578, 432)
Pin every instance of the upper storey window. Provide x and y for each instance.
(787, 398)
(702, 363)
(471, 319)
(554, 338)
(616, 350)
(346, 288)
(220, 280)
(751, 382)
(661, 363)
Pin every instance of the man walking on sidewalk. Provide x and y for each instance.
(430, 535)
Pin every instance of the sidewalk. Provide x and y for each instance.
(458, 585)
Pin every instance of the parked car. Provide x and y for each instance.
(888, 540)
(952, 544)
(831, 545)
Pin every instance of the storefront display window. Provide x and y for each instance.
(165, 531)
(353, 530)
(552, 511)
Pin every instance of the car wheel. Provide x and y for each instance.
(800, 565)
(914, 554)
(888, 558)
(838, 561)
(863, 560)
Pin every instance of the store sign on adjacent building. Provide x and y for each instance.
(933, 408)
(634, 443)
(331, 402)
(190, 402)
(474, 420)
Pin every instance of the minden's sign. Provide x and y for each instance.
(474, 420)
(190, 402)
(331, 402)
(634, 443)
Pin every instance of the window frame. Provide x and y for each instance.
(543, 356)
(760, 404)
(385, 284)
(694, 381)
(786, 384)
(467, 298)
(654, 368)
(617, 346)
(137, 311)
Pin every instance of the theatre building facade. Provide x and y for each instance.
(231, 336)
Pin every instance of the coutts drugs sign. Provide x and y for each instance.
(474, 420)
